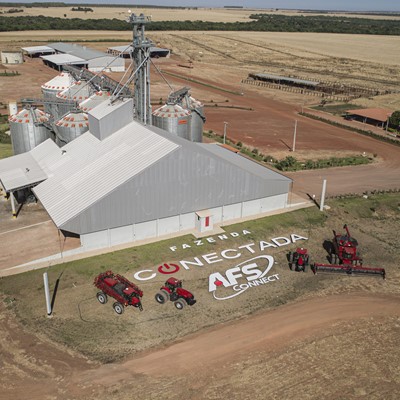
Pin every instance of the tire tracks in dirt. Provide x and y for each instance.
(264, 332)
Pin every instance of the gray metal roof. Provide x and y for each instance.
(38, 49)
(143, 173)
(31, 167)
(77, 50)
(102, 168)
(245, 163)
(286, 79)
(61, 59)
(128, 48)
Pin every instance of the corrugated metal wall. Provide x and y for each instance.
(182, 182)
(179, 223)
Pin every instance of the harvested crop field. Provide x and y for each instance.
(170, 14)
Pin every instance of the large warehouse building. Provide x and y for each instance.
(123, 182)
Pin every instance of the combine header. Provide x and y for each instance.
(345, 258)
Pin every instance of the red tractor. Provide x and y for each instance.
(345, 258)
(118, 287)
(173, 291)
(299, 260)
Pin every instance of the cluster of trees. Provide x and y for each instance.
(261, 22)
(292, 164)
(13, 11)
(394, 120)
(85, 9)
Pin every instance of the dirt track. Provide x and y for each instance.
(211, 355)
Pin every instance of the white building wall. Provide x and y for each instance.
(232, 211)
(179, 223)
(145, 230)
(274, 203)
(168, 225)
(124, 234)
(251, 208)
(12, 57)
(108, 64)
(187, 221)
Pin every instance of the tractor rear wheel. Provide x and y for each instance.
(180, 304)
(118, 308)
(161, 297)
(305, 268)
(102, 297)
(292, 266)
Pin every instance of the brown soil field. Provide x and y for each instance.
(303, 336)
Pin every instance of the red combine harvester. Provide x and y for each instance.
(345, 258)
(118, 287)
(299, 260)
(172, 290)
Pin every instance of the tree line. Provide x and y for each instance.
(259, 23)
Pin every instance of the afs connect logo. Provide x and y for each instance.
(251, 273)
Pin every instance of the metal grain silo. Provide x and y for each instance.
(94, 100)
(70, 127)
(197, 110)
(27, 131)
(78, 92)
(54, 86)
(174, 119)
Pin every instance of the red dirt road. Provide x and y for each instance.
(269, 127)
(266, 332)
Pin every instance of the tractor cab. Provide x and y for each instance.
(172, 284)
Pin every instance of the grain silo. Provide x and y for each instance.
(70, 127)
(173, 119)
(51, 88)
(196, 126)
(94, 100)
(78, 92)
(27, 129)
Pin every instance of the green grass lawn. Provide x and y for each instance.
(6, 150)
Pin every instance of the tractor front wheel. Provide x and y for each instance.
(102, 297)
(118, 308)
(161, 297)
(180, 304)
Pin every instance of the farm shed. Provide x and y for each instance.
(74, 54)
(372, 116)
(129, 182)
(57, 61)
(26, 170)
(126, 50)
(37, 51)
(283, 80)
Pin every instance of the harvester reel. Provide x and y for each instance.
(102, 298)
(118, 308)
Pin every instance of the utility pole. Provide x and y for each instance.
(294, 136)
(321, 205)
(47, 294)
(225, 124)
